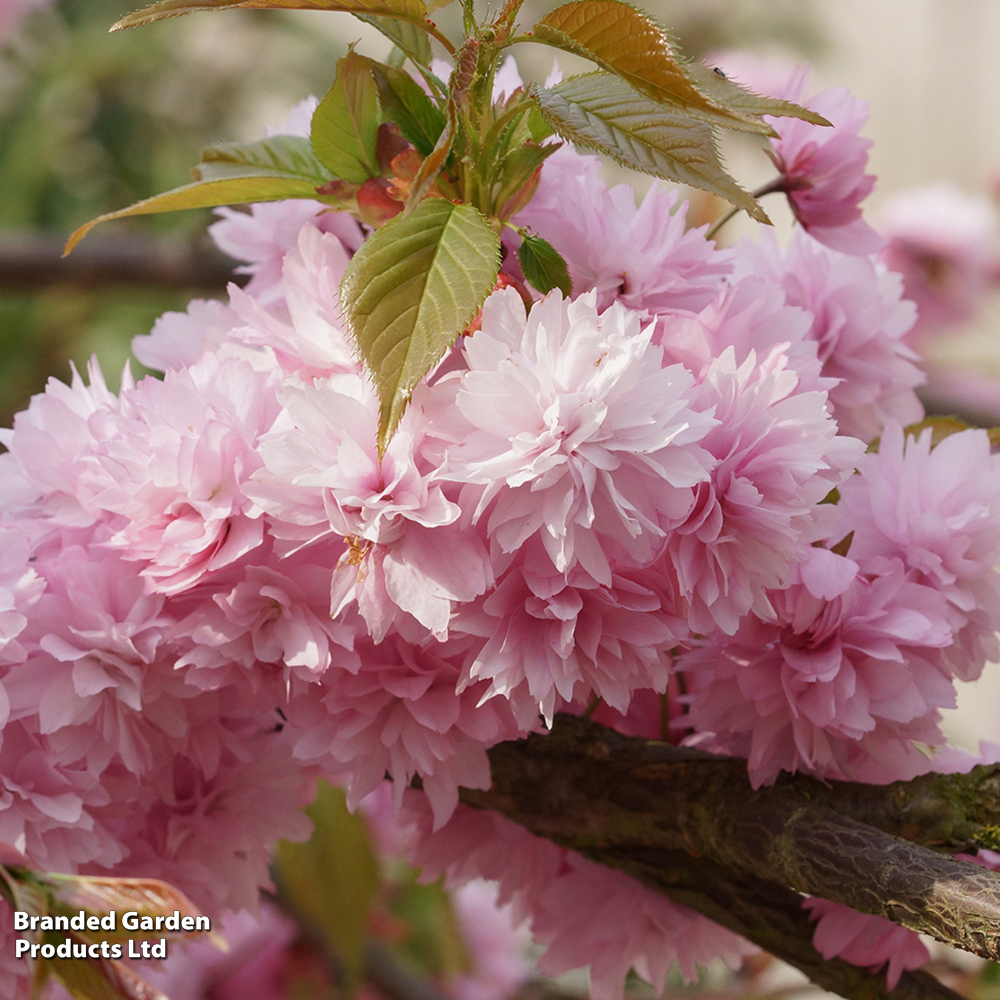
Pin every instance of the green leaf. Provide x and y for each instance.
(288, 156)
(413, 40)
(419, 119)
(234, 173)
(331, 880)
(345, 124)
(411, 289)
(543, 265)
(518, 177)
(207, 194)
(603, 112)
(733, 95)
(434, 943)
(411, 10)
(626, 42)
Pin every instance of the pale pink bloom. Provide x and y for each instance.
(304, 334)
(596, 916)
(272, 624)
(642, 256)
(749, 314)
(553, 638)
(15, 973)
(498, 946)
(938, 511)
(506, 80)
(840, 685)
(254, 967)
(823, 169)
(179, 339)
(50, 446)
(172, 464)
(50, 810)
(20, 589)
(210, 832)
(480, 843)
(583, 913)
(778, 456)
(307, 334)
(92, 684)
(399, 714)
(865, 940)
(325, 480)
(270, 230)
(859, 322)
(946, 245)
(576, 432)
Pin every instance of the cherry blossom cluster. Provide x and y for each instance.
(684, 493)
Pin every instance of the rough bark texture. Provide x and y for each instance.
(770, 915)
(690, 824)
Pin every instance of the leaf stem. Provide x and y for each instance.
(432, 29)
(778, 184)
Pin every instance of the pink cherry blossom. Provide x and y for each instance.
(179, 339)
(554, 638)
(498, 947)
(272, 625)
(642, 256)
(20, 589)
(15, 973)
(839, 685)
(583, 913)
(778, 456)
(865, 940)
(936, 509)
(50, 811)
(171, 465)
(747, 314)
(576, 432)
(398, 714)
(946, 245)
(204, 830)
(596, 916)
(859, 322)
(252, 969)
(48, 450)
(91, 682)
(325, 479)
(823, 169)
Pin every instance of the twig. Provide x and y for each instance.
(391, 979)
(33, 260)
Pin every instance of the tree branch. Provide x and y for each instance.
(770, 915)
(640, 805)
(33, 260)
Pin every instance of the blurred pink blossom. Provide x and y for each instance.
(946, 245)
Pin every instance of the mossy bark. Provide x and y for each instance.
(690, 824)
